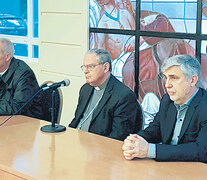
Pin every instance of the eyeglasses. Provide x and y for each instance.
(89, 67)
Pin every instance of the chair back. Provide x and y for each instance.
(46, 102)
(140, 117)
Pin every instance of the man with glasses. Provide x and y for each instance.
(106, 106)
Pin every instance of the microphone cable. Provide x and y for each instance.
(21, 107)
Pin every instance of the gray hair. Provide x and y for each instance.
(190, 66)
(102, 56)
(8, 46)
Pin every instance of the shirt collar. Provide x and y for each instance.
(188, 102)
(2, 73)
(102, 86)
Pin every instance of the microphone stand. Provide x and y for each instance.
(34, 95)
(53, 128)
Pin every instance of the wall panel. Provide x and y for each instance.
(63, 41)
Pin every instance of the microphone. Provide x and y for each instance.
(65, 82)
(53, 128)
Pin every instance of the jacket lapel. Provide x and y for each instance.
(85, 100)
(9, 72)
(169, 123)
(189, 114)
(104, 99)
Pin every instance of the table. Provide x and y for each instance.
(28, 153)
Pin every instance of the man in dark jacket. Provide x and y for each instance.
(106, 106)
(17, 84)
(179, 130)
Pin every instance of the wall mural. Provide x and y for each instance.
(120, 14)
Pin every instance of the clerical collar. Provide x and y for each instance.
(102, 86)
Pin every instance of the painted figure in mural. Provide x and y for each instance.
(111, 16)
(204, 56)
(153, 52)
(116, 14)
(126, 4)
(152, 56)
(205, 7)
(94, 16)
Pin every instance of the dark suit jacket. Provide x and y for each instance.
(118, 113)
(192, 142)
(17, 85)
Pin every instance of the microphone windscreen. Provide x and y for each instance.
(67, 82)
